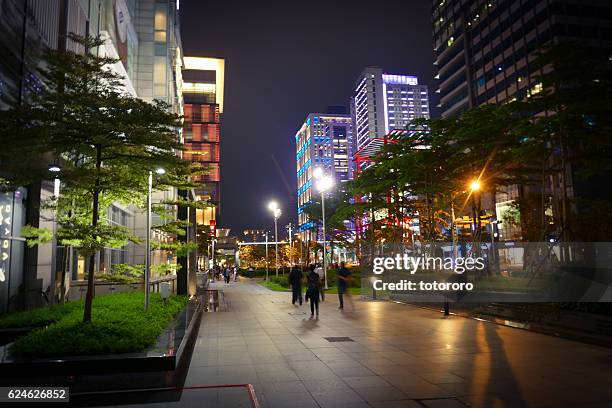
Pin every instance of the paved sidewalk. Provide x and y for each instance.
(399, 356)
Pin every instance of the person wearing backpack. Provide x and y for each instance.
(313, 291)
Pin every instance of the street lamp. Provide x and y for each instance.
(147, 274)
(475, 187)
(276, 212)
(290, 228)
(324, 183)
(267, 257)
(56, 169)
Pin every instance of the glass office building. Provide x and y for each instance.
(324, 140)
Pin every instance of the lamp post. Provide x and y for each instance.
(474, 188)
(276, 212)
(290, 228)
(324, 183)
(147, 275)
(56, 169)
(267, 256)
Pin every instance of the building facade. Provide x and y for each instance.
(326, 141)
(141, 34)
(203, 92)
(385, 102)
(484, 49)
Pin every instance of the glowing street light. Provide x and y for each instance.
(276, 212)
(54, 168)
(475, 185)
(323, 184)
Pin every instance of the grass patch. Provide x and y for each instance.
(119, 325)
(275, 286)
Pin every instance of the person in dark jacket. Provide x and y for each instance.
(344, 279)
(295, 280)
(313, 291)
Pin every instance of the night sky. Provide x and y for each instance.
(284, 60)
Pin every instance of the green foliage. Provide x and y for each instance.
(36, 236)
(280, 280)
(120, 325)
(176, 227)
(107, 141)
(512, 216)
(90, 239)
(563, 127)
(199, 205)
(40, 317)
(134, 273)
(255, 273)
(178, 248)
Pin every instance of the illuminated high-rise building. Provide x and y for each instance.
(385, 102)
(203, 93)
(324, 140)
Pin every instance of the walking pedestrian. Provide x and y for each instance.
(344, 279)
(235, 271)
(295, 280)
(319, 271)
(226, 274)
(313, 291)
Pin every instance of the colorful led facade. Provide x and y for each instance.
(203, 94)
(385, 102)
(325, 141)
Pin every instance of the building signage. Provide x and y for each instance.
(6, 226)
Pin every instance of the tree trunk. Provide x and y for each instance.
(94, 223)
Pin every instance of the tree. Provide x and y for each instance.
(571, 104)
(107, 141)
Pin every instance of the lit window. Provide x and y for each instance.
(160, 36)
(159, 70)
(160, 20)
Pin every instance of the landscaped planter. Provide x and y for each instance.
(78, 289)
(164, 355)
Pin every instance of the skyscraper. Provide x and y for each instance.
(324, 140)
(485, 49)
(203, 93)
(385, 102)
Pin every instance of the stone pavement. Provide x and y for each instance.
(399, 356)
